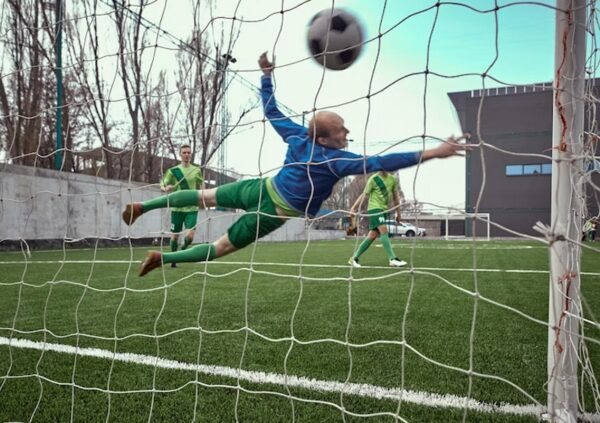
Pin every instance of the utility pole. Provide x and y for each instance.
(58, 26)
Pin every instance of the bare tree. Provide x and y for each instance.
(28, 91)
(155, 126)
(338, 200)
(92, 92)
(131, 39)
(355, 187)
(202, 81)
(27, 84)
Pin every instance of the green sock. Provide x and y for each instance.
(188, 197)
(201, 252)
(364, 246)
(387, 245)
(186, 242)
(173, 245)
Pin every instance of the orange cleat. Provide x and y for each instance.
(132, 212)
(152, 261)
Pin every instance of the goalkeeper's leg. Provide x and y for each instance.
(201, 198)
(247, 229)
(201, 252)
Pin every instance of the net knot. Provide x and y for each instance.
(549, 234)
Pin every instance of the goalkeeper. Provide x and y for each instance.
(184, 176)
(314, 162)
(380, 187)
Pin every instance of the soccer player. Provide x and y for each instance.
(184, 176)
(314, 162)
(380, 188)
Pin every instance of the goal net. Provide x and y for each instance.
(98, 97)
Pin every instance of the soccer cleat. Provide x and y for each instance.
(173, 265)
(151, 262)
(132, 212)
(354, 262)
(396, 262)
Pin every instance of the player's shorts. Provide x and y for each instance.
(178, 219)
(251, 225)
(377, 217)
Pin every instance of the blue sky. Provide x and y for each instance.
(463, 41)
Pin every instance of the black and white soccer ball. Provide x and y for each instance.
(335, 38)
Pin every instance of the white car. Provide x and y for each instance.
(406, 229)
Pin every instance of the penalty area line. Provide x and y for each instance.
(357, 389)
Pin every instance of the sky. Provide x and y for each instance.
(460, 41)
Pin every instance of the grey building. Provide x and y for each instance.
(518, 121)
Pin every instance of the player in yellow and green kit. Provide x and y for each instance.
(381, 187)
(184, 176)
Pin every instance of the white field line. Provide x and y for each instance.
(357, 389)
(408, 245)
(256, 263)
(481, 245)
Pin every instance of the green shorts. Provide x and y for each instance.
(377, 217)
(260, 218)
(178, 219)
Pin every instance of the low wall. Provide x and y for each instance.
(42, 204)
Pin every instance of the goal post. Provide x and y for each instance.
(566, 210)
(448, 233)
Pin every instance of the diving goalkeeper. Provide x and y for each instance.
(314, 162)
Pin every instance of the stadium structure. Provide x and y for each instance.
(515, 123)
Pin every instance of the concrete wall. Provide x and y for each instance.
(42, 204)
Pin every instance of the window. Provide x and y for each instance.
(529, 169)
(532, 169)
(512, 170)
(547, 169)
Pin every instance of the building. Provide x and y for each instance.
(516, 123)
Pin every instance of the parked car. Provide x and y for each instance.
(406, 229)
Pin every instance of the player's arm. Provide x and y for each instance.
(167, 184)
(281, 123)
(356, 207)
(354, 164)
(396, 201)
(451, 147)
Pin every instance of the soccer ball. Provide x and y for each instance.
(334, 38)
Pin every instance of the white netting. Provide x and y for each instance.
(286, 330)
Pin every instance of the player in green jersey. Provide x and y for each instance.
(381, 187)
(184, 176)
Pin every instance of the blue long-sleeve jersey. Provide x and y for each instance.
(310, 169)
